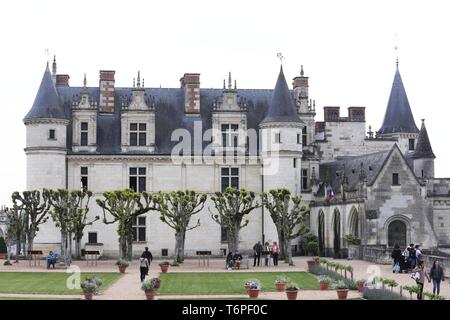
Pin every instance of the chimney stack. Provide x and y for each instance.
(106, 91)
(190, 82)
(301, 87)
(62, 80)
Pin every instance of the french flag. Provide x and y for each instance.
(330, 194)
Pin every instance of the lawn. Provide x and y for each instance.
(48, 282)
(37, 298)
(228, 282)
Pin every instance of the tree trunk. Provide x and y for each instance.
(130, 247)
(178, 257)
(122, 247)
(287, 251)
(30, 240)
(17, 248)
(63, 247)
(69, 254)
(281, 244)
(233, 241)
(78, 247)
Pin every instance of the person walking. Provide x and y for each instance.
(418, 253)
(275, 253)
(266, 250)
(412, 256)
(144, 265)
(420, 275)
(148, 255)
(257, 249)
(397, 257)
(437, 275)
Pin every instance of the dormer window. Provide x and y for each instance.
(411, 144)
(138, 134)
(51, 134)
(84, 134)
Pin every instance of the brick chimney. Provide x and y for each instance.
(106, 91)
(62, 80)
(331, 113)
(301, 87)
(357, 114)
(190, 82)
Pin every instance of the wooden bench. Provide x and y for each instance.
(35, 256)
(91, 256)
(203, 255)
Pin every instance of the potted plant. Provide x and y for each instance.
(122, 264)
(292, 290)
(164, 266)
(324, 282)
(341, 289)
(280, 283)
(89, 288)
(254, 288)
(360, 284)
(150, 286)
(313, 263)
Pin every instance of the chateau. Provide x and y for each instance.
(379, 186)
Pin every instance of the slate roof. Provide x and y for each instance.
(282, 107)
(333, 172)
(169, 114)
(398, 116)
(423, 146)
(47, 103)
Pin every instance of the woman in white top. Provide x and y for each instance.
(143, 263)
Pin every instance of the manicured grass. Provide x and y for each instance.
(228, 282)
(48, 282)
(37, 298)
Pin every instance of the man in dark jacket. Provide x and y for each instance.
(257, 249)
(397, 257)
(148, 255)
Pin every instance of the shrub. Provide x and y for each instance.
(411, 290)
(7, 263)
(253, 284)
(89, 286)
(390, 283)
(361, 281)
(312, 247)
(151, 284)
(381, 294)
(433, 296)
(292, 286)
(164, 263)
(339, 285)
(3, 248)
(122, 263)
(319, 271)
(325, 279)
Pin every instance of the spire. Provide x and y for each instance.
(138, 84)
(46, 104)
(54, 66)
(282, 107)
(84, 81)
(229, 80)
(423, 146)
(398, 116)
(302, 73)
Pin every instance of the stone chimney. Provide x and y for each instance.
(190, 82)
(357, 114)
(62, 80)
(301, 87)
(106, 91)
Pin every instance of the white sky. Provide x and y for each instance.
(346, 47)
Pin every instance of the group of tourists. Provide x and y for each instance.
(234, 261)
(411, 260)
(266, 251)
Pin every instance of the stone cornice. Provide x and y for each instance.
(48, 148)
(281, 125)
(46, 121)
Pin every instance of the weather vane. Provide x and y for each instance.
(396, 48)
(280, 56)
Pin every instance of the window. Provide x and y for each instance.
(51, 134)
(277, 137)
(229, 178)
(298, 138)
(139, 229)
(84, 179)
(295, 163)
(411, 144)
(304, 179)
(138, 180)
(230, 135)
(395, 180)
(223, 234)
(92, 237)
(304, 136)
(84, 134)
(138, 134)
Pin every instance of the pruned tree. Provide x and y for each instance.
(289, 216)
(35, 208)
(124, 206)
(232, 206)
(15, 227)
(176, 209)
(61, 203)
(78, 217)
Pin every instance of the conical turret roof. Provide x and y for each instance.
(282, 107)
(398, 116)
(46, 104)
(423, 146)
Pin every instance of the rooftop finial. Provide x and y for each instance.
(224, 83)
(142, 82)
(84, 81)
(134, 84)
(396, 50)
(138, 79)
(229, 80)
(54, 65)
(423, 120)
(235, 86)
(302, 73)
(280, 56)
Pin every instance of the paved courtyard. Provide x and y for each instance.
(128, 286)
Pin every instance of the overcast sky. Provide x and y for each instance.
(346, 48)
